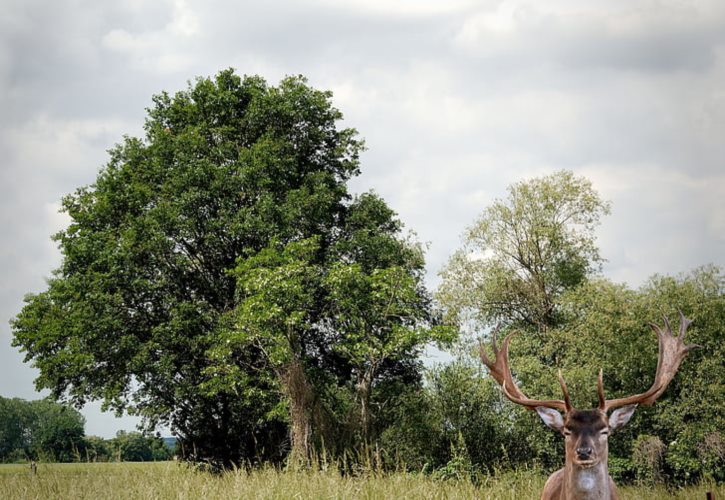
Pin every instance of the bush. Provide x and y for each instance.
(648, 458)
(622, 470)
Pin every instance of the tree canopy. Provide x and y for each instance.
(195, 269)
(523, 252)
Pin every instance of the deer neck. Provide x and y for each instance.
(590, 483)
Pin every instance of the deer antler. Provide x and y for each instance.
(672, 350)
(501, 372)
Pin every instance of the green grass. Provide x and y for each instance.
(168, 480)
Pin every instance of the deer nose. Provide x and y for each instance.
(583, 452)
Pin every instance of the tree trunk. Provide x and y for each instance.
(364, 389)
(300, 396)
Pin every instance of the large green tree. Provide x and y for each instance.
(167, 254)
(523, 252)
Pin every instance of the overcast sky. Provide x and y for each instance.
(456, 99)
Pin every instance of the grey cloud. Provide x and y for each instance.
(306, 36)
(641, 37)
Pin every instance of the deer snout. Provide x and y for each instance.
(584, 452)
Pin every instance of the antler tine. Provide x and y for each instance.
(600, 391)
(498, 368)
(667, 323)
(567, 400)
(501, 372)
(482, 350)
(684, 323)
(672, 350)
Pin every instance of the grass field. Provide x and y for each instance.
(168, 480)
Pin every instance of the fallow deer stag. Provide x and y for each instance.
(585, 474)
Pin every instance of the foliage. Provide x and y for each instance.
(15, 429)
(58, 431)
(40, 429)
(51, 432)
(332, 319)
(99, 450)
(460, 417)
(459, 467)
(471, 409)
(647, 455)
(274, 316)
(414, 439)
(382, 317)
(524, 252)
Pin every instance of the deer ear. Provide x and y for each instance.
(621, 416)
(551, 417)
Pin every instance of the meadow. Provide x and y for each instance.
(170, 480)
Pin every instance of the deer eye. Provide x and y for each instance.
(605, 432)
(567, 432)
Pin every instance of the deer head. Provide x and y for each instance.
(586, 432)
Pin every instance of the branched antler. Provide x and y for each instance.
(501, 372)
(672, 350)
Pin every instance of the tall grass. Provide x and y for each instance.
(168, 480)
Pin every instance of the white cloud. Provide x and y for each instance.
(638, 35)
(663, 220)
(161, 50)
(185, 22)
(53, 156)
(402, 8)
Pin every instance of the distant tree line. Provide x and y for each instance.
(44, 430)
(220, 279)
(128, 447)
